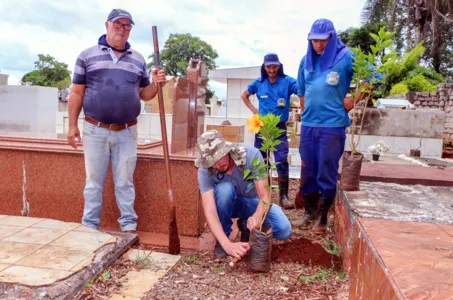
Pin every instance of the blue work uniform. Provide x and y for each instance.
(323, 123)
(274, 98)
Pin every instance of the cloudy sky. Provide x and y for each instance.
(241, 31)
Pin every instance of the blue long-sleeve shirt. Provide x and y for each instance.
(269, 94)
(324, 92)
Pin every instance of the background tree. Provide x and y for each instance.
(48, 72)
(418, 21)
(179, 49)
(360, 36)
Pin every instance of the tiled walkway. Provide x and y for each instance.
(138, 283)
(36, 252)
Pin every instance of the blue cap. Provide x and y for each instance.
(271, 59)
(321, 29)
(117, 14)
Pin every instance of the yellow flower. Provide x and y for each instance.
(254, 123)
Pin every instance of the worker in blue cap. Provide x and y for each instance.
(324, 78)
(273, 90)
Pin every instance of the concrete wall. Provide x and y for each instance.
(149, 125)
(235, 105)
(401, 129)
(4, 79)
(28, 108)
(441, 100)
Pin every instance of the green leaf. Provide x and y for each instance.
(255, 161)
(375, 37)
(247, 173)
(267, 187)
(374, 49)
(387, 43)
(263, 166)
(106, 275)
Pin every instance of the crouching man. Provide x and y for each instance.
(226, 195)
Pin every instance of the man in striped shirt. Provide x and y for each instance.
(109, 80)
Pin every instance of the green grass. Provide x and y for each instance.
(220, 269)
(191, 260)
(323, 274)
(331, 247)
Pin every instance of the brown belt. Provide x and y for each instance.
(114, 127)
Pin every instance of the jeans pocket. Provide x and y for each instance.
(133, 131)
(88, 128)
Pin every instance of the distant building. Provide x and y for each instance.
(216, 107)
(237, 80)
(4, 79)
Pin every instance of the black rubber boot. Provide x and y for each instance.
(311, 205)
(245, 233)
(320, 226)
(283, 182)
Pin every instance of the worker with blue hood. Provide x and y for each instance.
(273, 90)
(324, 78)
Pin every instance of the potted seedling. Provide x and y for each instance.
(378, 149)
(416, 152)
(261, 237)
(365, 77)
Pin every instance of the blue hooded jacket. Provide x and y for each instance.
(322, 29)
(270, 94)
(324, 80)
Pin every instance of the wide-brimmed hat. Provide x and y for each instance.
(212, 146)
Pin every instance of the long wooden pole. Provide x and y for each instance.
(174, 246)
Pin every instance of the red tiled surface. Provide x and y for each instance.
(404, 174)
(416, 254)
(389, 259)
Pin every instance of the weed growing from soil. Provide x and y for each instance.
(331, 247)
(143, 261)
(323, 274)
(220, 269)
(191, 260)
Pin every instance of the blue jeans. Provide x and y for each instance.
(101, 146)
(230, 205)
(281, 155)
(320, 151)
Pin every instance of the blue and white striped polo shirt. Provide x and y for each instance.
(112, 84)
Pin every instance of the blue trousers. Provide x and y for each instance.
(230, 205)
(320, 151)
(281, 155)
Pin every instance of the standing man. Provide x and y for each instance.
(324, 77)
(225, 194)
(109, 80)
(273, 90)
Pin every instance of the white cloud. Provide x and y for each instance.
(242, 31)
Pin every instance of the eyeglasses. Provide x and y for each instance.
(118, 25)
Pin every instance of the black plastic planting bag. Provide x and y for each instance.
(260, 249)
(350, 173)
